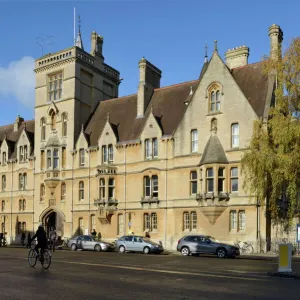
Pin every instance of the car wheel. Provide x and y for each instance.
(146, 250)
(221, 253)
(73, 247)
(122, 249)
(98, 248)
(185, 251)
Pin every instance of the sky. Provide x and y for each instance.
(171, 34)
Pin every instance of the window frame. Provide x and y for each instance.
(3, 182)
(49, 159)
(43, 129)
(104, 154)
(194, 141)
(81, 190)
(102, 188)
(209, 179)
(21, 154)
(193, 182)
(57, 86)
(221, 178)
(111, 187)
(81, 157)
(110, 149)
(215, 99)
(152, 186)
(233, 220)
(242, 223)
(233, 178)
(235, 137)
(55, 158)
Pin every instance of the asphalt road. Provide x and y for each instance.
(91, 275)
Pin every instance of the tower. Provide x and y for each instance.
(69, 85)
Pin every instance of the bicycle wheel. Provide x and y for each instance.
(32, 258)
(46, 261)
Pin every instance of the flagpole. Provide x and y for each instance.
(74, 27)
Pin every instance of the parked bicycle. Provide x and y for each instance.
(244, 247)
(43, 256)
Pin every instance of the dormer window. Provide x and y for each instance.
(110, 153)
(151, 148)
(81, 157)
(194, 141)
(25, 153)
(55, 86)
(21, 154)
(214, 99)
(3, 158)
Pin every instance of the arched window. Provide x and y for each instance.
(214, 125)
(24, 204)
(81, 190)
(25, 152)
(63, 191)
(4, 158)
(53, 120)
(3, 182)
(214, 98)
(64, 124)
(43, 129)
(3, 205)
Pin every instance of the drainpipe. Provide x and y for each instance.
(125, 146)
(72, 211)
(89, 193)
(11, 200)
(33, 194)
(258, 225)
(166, 193)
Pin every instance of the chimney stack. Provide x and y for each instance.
(237, 57)
(276, 37)
(96, 45)
(149, 80)
(19, 120)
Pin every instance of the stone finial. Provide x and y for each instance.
(82, 127)
(205, 57)
(108, 117)
(191, 90)
(215, 45)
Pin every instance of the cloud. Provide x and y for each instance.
(18, 80)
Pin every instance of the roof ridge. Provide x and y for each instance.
(248, 65)
(176, 84)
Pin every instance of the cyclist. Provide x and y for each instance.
(41, 238)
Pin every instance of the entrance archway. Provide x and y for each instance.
(53, 218)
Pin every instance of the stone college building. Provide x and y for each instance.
(164, 160)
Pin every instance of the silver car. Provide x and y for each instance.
(197, 244)
(87, 242)
(138, 244)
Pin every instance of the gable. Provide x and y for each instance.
(151, 128)
(82, 142)
(108, 135)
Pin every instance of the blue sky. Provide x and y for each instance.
(169, 33)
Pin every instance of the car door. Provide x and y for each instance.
(129, 243)
(192, 243)
(79, 242)
(87, 243)
(207, 245)
(137, 244)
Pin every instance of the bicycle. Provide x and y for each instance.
(44, 257)
(245, 247)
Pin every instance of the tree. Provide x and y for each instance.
(271, 165)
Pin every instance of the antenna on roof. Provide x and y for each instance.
(42, 41)
(74, 25)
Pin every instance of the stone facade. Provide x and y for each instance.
(166, 160)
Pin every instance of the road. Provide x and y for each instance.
(91, 275)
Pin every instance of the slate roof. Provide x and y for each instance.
(13, 136)
(168, 108)
(253, 82)
(213, 152)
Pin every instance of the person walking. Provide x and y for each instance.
(94, 233)
(23, 236)
(53, 238)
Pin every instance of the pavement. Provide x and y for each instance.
(93, 275)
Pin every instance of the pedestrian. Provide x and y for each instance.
(147, 234)
(53, 238)
(99, 235)
(23, 238)
(28, 240)
(94, 233)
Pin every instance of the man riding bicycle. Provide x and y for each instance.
(41, 238)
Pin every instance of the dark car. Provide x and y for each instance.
(202, 244)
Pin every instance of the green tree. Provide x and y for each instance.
(271, 165)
